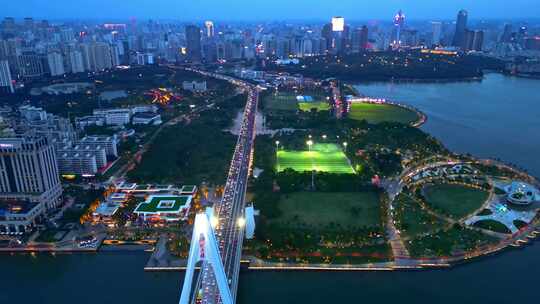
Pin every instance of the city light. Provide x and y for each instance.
(214, 221)
(241, 222)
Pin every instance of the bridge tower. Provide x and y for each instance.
(204, 247)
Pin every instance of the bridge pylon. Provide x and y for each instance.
(204, 247)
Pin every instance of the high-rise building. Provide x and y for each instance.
(76, 61)
(327, 34)
(55, 60)
(436, 28)
(338, 24)
(6, 83)
(478, 41)
(102, 55)
(29, 171)
(360, 39)
(193, 41)
(461, 28)
(30, 65)
(506, 37)
(399, 23)
(209, 25)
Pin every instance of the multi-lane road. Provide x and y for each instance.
(229, 212)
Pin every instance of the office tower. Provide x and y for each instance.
(399, 23)
(193, 40)
(478, 41)
(209, 25)
(532, 43)
(28, 23)
(55, 60)
(28, 170)
(6, 83)
(436, 28)
(506, 36)
(461, 28)
(327, 34)
(360, 39)
(338, 24)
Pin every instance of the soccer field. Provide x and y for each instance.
(322, 157)
(377, 113)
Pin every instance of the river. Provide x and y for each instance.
(498, 117)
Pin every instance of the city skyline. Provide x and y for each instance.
(241, 10)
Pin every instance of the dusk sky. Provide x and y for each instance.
(264, 10)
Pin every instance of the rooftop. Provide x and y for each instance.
(164, 204)
(16, 206)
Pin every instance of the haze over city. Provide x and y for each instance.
(267, 10)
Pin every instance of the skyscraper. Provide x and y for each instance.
(209, 25)
(399, 23)
(28, 170)
(360, 39)
(6, 84)
(193, 41)
(507, 34)
(436, 28)
(461, 27)
(55, 60)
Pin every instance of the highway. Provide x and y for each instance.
(229, 212)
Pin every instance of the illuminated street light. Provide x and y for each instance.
(241, 222)
(324, 136)
(214, 221)
(345, 144)
(309, 143)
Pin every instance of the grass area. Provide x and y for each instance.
(493, 225)
(412, 220)
(322, 157)
(286, 101)
(319, 106)
(329, 211)
(377, 113)
(456, 201)
(447, 242)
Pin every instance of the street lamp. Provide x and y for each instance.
(241, 222)
(277, 144)
(345, 145)
(309, 143)
(324, 136)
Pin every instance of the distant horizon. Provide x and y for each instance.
(277, 10)
(316, 20)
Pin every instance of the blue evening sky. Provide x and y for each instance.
(269, 9)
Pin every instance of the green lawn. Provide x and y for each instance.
(493, 225)
(325, 211)
(412, 220)
(322, 157)
(286, 101)
(447, 242)
(377, 113)
(320, 106)
(456, 201)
